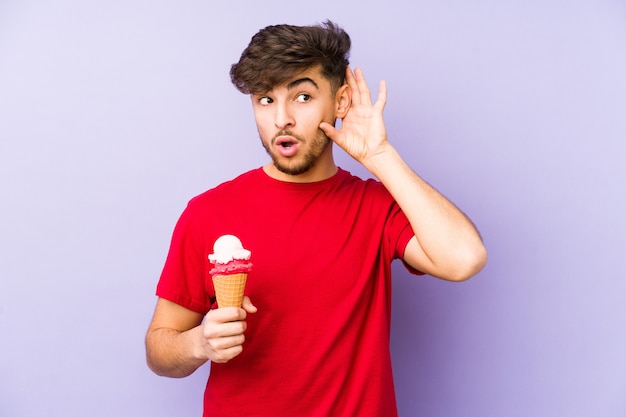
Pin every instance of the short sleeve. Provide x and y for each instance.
(400, 233)
(182, 280)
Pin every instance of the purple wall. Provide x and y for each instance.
(113, 114)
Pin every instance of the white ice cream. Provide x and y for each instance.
(228, 248)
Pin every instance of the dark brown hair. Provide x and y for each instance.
(277, 53)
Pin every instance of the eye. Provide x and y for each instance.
(264, 101)
(303, 98)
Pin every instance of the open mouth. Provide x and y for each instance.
(287, 146)
(285, 142)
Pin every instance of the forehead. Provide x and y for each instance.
(311, 76)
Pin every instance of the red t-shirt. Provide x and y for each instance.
(322, 252)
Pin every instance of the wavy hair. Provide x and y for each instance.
(278, 53)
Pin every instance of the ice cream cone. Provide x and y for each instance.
(229, 289)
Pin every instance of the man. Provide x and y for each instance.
(312, 336)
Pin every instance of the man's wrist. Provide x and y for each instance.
(380, 161)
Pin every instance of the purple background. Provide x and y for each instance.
(113, 114)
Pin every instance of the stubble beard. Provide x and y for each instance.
(299, 164)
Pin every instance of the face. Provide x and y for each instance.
(288, 119)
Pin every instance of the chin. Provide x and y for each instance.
(292, 170)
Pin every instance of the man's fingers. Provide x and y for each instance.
(382, 95)
(364, 91)
(361, 93)
(354, 87)
(226, 314)
(247, 305)
(225, 343)
(222, 355)
(330, 130)
(234, 328)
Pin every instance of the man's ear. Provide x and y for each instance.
(342, 99)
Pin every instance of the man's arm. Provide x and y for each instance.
(178, 341)
(446, 243)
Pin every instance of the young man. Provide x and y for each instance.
(312, 336)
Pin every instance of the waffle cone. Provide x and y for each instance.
(229, 289)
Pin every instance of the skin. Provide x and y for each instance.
(301, 113)
(292, 113)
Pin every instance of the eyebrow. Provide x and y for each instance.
(295, 83)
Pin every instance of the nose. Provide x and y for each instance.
(283, 117)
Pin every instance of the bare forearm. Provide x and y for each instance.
(451, 244)
(171, 353)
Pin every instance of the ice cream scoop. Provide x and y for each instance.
(227, 248)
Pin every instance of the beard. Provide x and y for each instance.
(299, 164)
